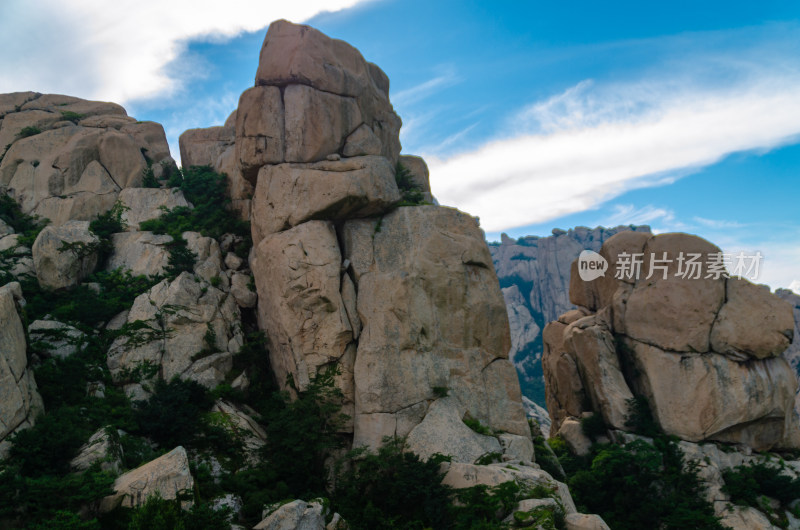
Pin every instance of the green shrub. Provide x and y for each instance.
(27, 226)
(477, 426)
(593, 426)
(392, 489)
(748, 484)
(149, 179)
(30, 130)
(642, 485)
(640, 419)
(74, 117)
(547, 459)
(411, 193)
(181, 258)
(174, 413)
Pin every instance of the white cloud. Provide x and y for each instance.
(717, 223)
(117, 50)
(595, 141)
(447, 77)
(628, 214)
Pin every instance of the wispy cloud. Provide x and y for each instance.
(717, 223)
(597, 140)
(446, 77)
(118, 50)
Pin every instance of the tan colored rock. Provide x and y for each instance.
(459, 475)
(167, 476)
(564, 390)
(516, 447)
(745, 518)
(259, 130)
(439, 431)
(179, 315)
(296, 515)
(14, 101)
(290, 194)
(203, 147)
(140, 252)
(54, 338)
(432, 315)
(585, 521)
(144, 204)
(297, 276)
(20, 401)
(317, 123)
(242, 425)
(590, 343)
(296, 54)
(241, 291)
(99, 448)
(571, 431)
(362, 142)
(209, 371)
(57, 268)
(707, 396)
(419, 171)
(753, 322)
(150, 137)
(675, 313)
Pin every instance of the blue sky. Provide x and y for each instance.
(532, 115)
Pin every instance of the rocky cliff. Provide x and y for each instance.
(534, 274)
(231, 336)
(701, 352)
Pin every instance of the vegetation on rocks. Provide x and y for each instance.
(756, 483)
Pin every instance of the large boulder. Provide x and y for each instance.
(20, 401)
(167, 476)
(68, 159)
(64, 255)
(290, 194)
(144, 204)
(142, 253)
(295, 515)
(702, 348)
(186, 322)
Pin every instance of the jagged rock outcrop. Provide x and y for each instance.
(64, 158)
(792, 353)
(703, 349)
(60, 265)
(301, 515)
(101, 447)
(20, 401)
(184, 319)
(401, 301)
(534, 273)
(166, 476)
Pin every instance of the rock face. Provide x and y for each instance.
(20, 401)
(167, 476)
(792, 353)
(183, 319)
(403, 303)
(534, 273)
(65, 158)
(703, 349)
(57, 264)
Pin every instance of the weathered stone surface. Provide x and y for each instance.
(259, 130)
(522, 326)
(564, 390)
(57, 268)
(571, 431)
(180, 314)
(167, 476)
(20, 401)
(419, 170)
(290, 194)
(437, 433)
(769, 322)
(674, 313)
(707, 396)
(589, 341)
(516, 447)
(144, 204)
(210, 370)
(317, 123)
(244, 427)
(585, 521)
(297, 275)
(241, 291)
(99, 448)
(85, 152)
(203, 147)
(300, 55)
(432, 316)
(54, 338)
(140, 252)
(362, 142)
(296, 515)
(745, 518)
(792, 353)
(459, 475)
